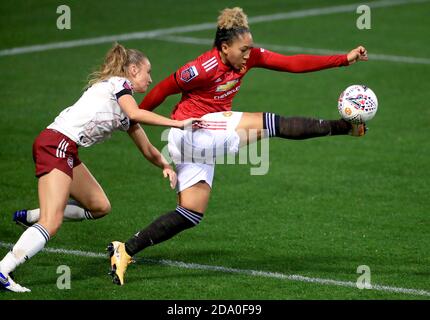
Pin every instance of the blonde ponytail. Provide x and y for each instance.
(116, 62)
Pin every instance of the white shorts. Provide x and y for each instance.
(194, 152)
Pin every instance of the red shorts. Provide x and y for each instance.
(52, 149)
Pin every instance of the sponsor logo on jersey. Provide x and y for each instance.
(189, 74)
(227, 93)
(227, 86)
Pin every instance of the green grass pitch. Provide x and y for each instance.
(325, 207)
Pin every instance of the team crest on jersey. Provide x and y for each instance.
(227, 86)
(70, 162)
(189, 74)
(227, 114)
(127, 86)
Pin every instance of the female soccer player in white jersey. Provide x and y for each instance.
(107, 105)
(208, 85)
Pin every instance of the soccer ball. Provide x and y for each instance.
(357, 104)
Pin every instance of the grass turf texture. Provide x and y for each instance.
(325, 207)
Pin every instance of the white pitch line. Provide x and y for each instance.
(293, 277)
(295, 49)
(106, 39)
(330, 10)
(254, 273)
(200, 27)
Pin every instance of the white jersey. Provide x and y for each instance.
(96, 114)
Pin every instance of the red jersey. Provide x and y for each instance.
(208, 85)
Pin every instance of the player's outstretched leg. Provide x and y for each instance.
(300, 128)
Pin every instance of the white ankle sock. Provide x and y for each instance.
(73, 212)
(33, 215)
(31, 242)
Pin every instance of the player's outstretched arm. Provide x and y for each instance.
(138, 135)
(301, 63)
(130, 107)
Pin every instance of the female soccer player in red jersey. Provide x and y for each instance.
(106, 106)
(208, 85)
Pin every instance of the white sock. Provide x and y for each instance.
(33, 215)
(31, 242)
(73, 212)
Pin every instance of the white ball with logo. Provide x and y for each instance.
(357, 104)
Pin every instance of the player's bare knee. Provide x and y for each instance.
(105, 208)
(101, 208)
